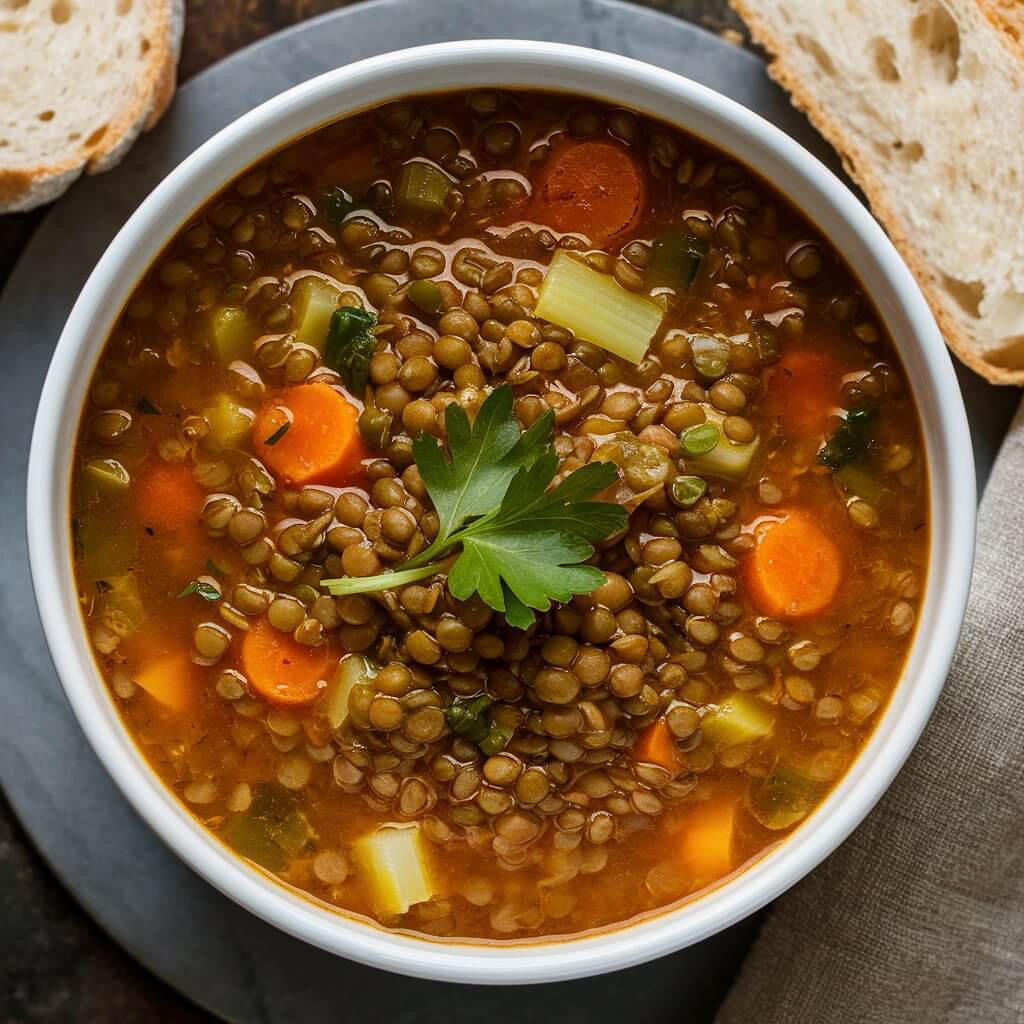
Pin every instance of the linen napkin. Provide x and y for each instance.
(919, 916)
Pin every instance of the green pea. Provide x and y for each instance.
(710, 355)
(701, 439)
(687, 490)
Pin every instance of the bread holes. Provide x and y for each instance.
(145, 47)
(1006, 322)
(909, 152)
(124, 7)
(883, 56)
(968, 295)
(9, 26)
(46, 115)
(61, 11)
(814, 48)
(935, 34)
(96, 137)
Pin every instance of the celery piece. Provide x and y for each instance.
(122, 601)
(422, 188)
(105, 476)
(313, 300)
(106, 548)
(726, 459)
(740, 718)
(392, 862)
(353, 669)
(272, 830)
(786, 796)
(230, 423)
(233, 334)
(597, 309)
(856, 481)
(676, 259)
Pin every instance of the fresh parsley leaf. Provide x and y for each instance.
(278, 434)
(146, 407)
(207, 591)
(852, 440)
(470, 718)
(350, 343)
(522, 544)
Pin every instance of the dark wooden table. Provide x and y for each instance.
(56, 965)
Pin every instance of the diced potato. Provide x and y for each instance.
(230, 422)
(740, 718)
(314, 300)
(233, 333)
(170, 679)
(392, 861)
(121, 599)
(727, 460)
(352, 670)
(596, 308)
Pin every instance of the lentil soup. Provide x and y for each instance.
(341, 608)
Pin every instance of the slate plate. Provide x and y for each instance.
(181, 928)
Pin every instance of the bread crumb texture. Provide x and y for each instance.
(79, 80)
(924, 100)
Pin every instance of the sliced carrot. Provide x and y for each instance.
(280, 669)
(321, 443)
(167, 497)
(795, 569)
(171, 680)
(656, 745)
(591, 188)
(804, 390)
(706, 841)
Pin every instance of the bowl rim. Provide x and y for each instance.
(827, 203)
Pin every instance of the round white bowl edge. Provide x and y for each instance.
(825, 201)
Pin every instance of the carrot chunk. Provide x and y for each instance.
(170, 679)
(280, 669)
(706, 841)
(655, 745)
(590, 188)
(795, 569)
(168, 498)
(313, 430)
(804, 390)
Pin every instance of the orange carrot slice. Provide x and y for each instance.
(170, 679)
(591, 188)
(656, 745)
(321, 443)
(706, 841)
(804, 390)
(168, 498)
(280, 669)
(795, 569)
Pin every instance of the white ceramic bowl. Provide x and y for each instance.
(827, 203)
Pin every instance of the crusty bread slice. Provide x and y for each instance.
(924, 100)
(79, 80)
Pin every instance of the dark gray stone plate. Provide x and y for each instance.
(186, 932)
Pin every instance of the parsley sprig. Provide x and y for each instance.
(519, 545)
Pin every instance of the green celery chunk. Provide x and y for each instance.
(856, 481)
(314, 301)
(233, 333)
(105, 548)
(676, 261)
(740, 718)
(422, 188)
(596, 308)
(121, 600)
(102, 477)
(230, 423)
(272, 831)
(787, 795)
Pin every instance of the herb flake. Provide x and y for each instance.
(147, 408)
(349, 346)
(853, 439)
(207, 591)
(278, 434)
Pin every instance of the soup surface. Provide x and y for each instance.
(346, 616)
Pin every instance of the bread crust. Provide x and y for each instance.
(25, 188)
(862, 169)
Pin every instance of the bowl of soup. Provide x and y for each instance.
(501, 512)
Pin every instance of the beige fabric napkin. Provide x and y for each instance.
(919, 916)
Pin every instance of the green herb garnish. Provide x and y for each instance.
(207, 591)
(350, 343)
(146, 407)
(520, 544)
(852, 441)
(470, 718)
(337, 205)
(278, 434)
(214, 569)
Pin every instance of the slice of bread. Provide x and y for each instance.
(924, 100)
(79, 80)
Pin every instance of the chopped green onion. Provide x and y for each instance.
(278, 434)
(687, 490)
(350, 343)
(337, 205)
(699, 440)
(207, 591)
(422, 188)
(146, 407)
(710, 355)
(676, 260)
(596, 308)
(426, 295)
